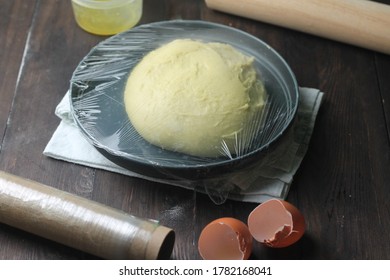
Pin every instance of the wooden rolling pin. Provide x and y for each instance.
(358, 22)
(80, 223)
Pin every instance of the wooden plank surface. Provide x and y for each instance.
(342, 186)
(14, 34)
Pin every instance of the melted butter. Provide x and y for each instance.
(107, 17)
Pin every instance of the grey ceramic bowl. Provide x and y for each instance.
(97, 88)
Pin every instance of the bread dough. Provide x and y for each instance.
(196, 98)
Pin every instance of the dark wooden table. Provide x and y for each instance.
(342, 186)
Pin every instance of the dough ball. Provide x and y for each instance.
(194, 98)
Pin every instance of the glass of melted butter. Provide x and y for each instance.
(107, 17)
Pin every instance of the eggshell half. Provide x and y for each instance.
(276, 223)
(225, 239)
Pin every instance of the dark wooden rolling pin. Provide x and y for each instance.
(358, 22)
(81, 223)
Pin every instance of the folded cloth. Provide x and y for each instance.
(257, 184)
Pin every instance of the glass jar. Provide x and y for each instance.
(107, 17)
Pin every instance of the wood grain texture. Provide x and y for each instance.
(14, 34)
(342, 186)
(357, 22)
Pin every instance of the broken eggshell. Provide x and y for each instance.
(225, 239)
(276, 223)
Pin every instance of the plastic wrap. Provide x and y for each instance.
(97, 93)
(81, 223)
